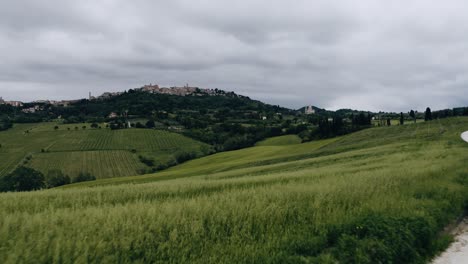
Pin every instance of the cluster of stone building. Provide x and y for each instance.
(12, 103)
(175, 90)
(180, 91)
(155, 89)
(38, 105)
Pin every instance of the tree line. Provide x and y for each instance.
(27, 179)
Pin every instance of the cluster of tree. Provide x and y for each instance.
(120, 123)
(27, 179)
(459, 111)
(336, 125)
(430, 115)
(231, 136)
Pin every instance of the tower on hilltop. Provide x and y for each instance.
(309, 110)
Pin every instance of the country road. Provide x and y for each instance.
(457, 253)
(458, 250)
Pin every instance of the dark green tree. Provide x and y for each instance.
(22, 179)
(150, 124)
(413, 115)
(428, 114)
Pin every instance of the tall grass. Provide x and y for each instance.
(374, 196)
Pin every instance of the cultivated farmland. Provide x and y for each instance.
(112, 163)
(104, 152)
(381, 194)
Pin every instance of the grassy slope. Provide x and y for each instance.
(103, 152)
(379, 194)
(280, 141)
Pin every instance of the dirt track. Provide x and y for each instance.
(458, 250)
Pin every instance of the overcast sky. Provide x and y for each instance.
(367, 54)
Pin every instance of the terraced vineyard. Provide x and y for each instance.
(106, 164)
(103, 152)
(140, 139)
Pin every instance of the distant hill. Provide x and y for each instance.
(141, 103)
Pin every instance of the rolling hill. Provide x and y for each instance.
(380, 194)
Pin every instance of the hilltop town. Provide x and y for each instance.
(150, 88)
(175, 90)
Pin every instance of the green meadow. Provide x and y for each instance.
(281, 140)
(380, 195)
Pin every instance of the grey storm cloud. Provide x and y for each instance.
(375, 55)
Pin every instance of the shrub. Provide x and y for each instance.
(56, 178)
(147, 161)
(150, 124)
(184, 156)
(142, 171)
(84, 176)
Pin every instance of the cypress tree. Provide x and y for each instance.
(428, 114)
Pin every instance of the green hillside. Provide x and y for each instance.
(378, 195)
(103, 152)
(279, 141)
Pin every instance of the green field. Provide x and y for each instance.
(103, 152)
(378, 195)
(281, 140)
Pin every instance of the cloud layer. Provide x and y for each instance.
(376, 55)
